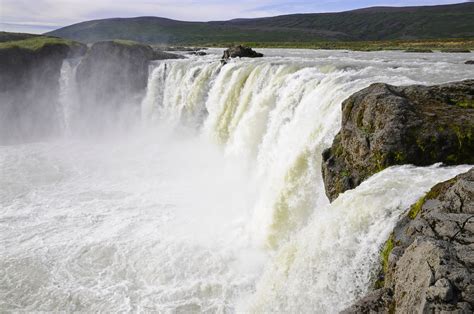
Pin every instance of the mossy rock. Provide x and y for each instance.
(385, 125)
(429, 248)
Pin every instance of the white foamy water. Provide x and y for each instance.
(215, 201)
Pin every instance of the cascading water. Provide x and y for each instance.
(219, 184)
(68, 97)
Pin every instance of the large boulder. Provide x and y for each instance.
(428, 262)
(384, 125)
(240, 52)
(29, 86)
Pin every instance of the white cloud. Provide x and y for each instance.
(71, 11)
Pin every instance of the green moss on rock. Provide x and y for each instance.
(36, 43)
(387, 249)
(419, 125)
(416, 208)
(466, 103)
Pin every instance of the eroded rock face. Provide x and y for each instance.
(240, 52)
(163, 55)
(110, 80)
(29, 91)
(385, 125)
(430, 268)
(111, 68)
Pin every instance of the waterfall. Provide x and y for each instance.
(205, 194)
(276, 116)
(68, 96)
(332, 261)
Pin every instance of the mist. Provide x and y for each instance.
(189, 185)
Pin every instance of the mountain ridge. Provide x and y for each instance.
(375, 23)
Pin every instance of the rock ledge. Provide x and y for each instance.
(385, 125)
(429, 261)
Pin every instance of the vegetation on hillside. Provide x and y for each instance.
(7, 36)
(443, 45)
(36, 42)
(373, 24)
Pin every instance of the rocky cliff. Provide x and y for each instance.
(428, 261)
(111, 79)
(113, 68)
(29, 86)
(110, 74)
(385, 125)
(240, 51)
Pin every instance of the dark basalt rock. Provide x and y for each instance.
(419, 50)
(429, 265)
(198, 53)
(163, 55)
(240, 52)
(469, 62)
(384, 125)
(115, 67)
(187, 49)
(110, 79)
(29, 90)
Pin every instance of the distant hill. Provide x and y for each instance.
(6, 36)
(377, 23)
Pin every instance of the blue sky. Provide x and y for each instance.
(43, 15)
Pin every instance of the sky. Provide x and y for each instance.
(39, 16)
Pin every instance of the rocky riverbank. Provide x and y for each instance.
(426, 264)
(428, 259)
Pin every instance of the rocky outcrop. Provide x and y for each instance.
(113, 67)
(29, 87)
(198, 53)
(240, 52)
(159, 54)
(116, 68)
(385, 125)
(419, 50)
(428, 262)
(111, 79)
(469, 62)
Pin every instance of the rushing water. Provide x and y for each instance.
(214, 201)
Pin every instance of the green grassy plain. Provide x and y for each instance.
(443, 45)
(34, 43)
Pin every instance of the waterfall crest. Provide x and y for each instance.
(276, 116)
(205, 192)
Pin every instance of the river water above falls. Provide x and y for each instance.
(211, 199)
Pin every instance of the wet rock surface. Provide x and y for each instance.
(384, 125)
(29, 89)
(240, 52)
(110, 79)
(163, 55)
(114, 66)
(430, 267)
